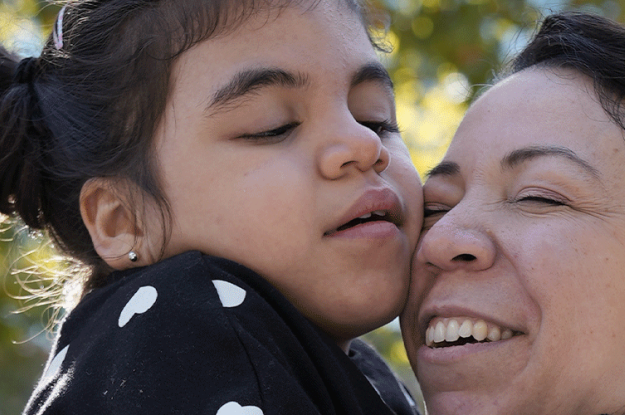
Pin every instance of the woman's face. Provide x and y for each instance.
(277, 138)
(524, 242)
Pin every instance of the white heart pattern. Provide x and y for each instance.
(142, 301)
(55, 365)
(230, 295)
(233, 408)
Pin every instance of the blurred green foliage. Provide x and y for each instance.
(444, 52)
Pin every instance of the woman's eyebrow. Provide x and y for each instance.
(519, 156)
(445, 168)
(524, 154)
(245, 82)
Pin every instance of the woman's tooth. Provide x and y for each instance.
(452, 331)
(451, 334)
(494, 334)
(466, 329)
(439, 332)
(429, 336)
(506, 334)
(480, 330)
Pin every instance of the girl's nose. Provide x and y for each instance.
(352, 148)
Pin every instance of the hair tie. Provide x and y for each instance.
(26, 71)
(57, 32)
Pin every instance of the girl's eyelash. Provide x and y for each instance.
(381, 127)
(378, 127)
(275, 134)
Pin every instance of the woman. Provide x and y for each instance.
(517, 300)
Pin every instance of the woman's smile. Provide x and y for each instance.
(459, 331)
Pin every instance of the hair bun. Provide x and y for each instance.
(22, 145)
(26, 71)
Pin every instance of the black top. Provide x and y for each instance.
(202, 335)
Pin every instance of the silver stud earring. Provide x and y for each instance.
(132, 256)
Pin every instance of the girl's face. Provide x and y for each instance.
(524, 246)
(279, 150)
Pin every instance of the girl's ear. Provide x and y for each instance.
(114, 228)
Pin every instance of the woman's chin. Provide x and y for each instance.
(475, 378)
(472, 403)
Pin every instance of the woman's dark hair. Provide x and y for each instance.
(89, 108)
(587, 43)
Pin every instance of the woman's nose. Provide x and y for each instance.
(352, 148)
(449, 245)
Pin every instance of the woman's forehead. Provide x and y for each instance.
(537, 107)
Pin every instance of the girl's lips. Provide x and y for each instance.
(377, 211)
(372, 230)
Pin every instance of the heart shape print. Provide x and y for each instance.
(230, 295)
(142, 301)
(233, 408)
(55, 365)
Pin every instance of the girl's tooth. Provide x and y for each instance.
(507, 333)
(439, 332)
(480, 330)
(379, 212)
(365, 216)
(451, 334)
(494, 334)
(466, 329)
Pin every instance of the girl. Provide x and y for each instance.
(232, 174)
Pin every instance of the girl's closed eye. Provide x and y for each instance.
(381, 128)
(274, 135)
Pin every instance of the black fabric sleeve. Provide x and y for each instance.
(197, 335)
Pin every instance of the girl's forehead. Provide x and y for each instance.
(320, 54)
(294, 40)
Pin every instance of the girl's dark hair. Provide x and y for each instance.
(590, 44)
(90, 108)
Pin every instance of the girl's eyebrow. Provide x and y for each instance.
(245, 82)
(251, 80)
(372, 71)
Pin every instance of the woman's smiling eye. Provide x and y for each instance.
(434, 209)
(381, 127)
(432, 212)
(273, 135)
(542, 199)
